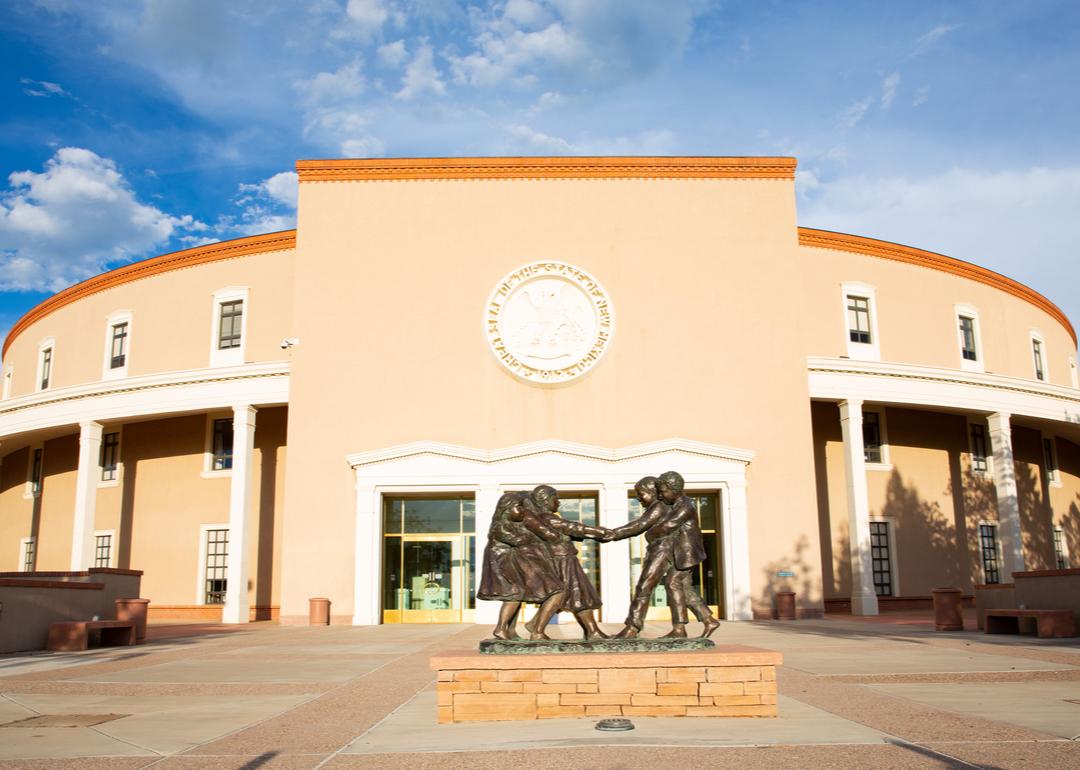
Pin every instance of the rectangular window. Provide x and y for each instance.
(29, 554)
(35, 472)
(858, 309)
(110, 456)
(118, 347)
(988, 546)
(1037, 355)
(967, 338)
(871, 431)
(46, 367)
(979, 463)
(1050, 457)
(217, 558)
(230, 324)
(880, 559)
(102, 550)
(222, 446)
(1060, 559)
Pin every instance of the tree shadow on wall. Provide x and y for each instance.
(803, 583)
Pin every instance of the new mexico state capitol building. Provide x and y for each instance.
(334, 411)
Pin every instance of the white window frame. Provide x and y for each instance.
(24, 543)
(102, 484)
(989, 472)
(230, 356)
(1064, 546)
(894, 563)
(200, 578)
(1074, 374)
(1000, 550)
(969, 311)
(9, 375)
(1053, 475)
(1036, 336)
(49, 343)
(112, 546)
(28, 490)
(861, 351)
(115, 319)
(208, 471)
(886, 460)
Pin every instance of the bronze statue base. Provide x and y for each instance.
(581, 646)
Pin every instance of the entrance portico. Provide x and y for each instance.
(608, 475)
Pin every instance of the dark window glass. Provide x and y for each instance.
(858, 310)
(393, 599)
(1036, 351)
(217, 565)
(102, 550)
(392, 508)
(110, 456)
(988, 546)
(871, 431)
(46, 367)
(468, 515)
(978, 449)
(426, 516)
(230, 324)
(879, 558)
(222, 445)
(1059, 549)
(35, 472)
(967, 338)
(28, 555)
(118, 351)
(470, 572)
(1051, 459)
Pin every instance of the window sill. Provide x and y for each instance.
(1055, 484)
(217, 474)
(879, 467)
(108, 484)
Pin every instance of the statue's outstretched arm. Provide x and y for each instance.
(645, 521)
(541, 529)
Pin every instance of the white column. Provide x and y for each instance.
(863, 598)
(1012, 546)
(367, 588)
(614, 557)
(82, 536)
(237, 605)
(487, 612)
(736, 544)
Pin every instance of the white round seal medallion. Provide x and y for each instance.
(549, 322)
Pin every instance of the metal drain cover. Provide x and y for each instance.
(614, 725)
(65, 720)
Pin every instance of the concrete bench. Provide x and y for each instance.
(75, 636)
(1049, 624)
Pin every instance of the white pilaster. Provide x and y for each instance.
(1012, 546)
(367, 589)
(736, 544)
(614, 557)
(487, 612)
(237, 605)
(863, 598)
(82, 536)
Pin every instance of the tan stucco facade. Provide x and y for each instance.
(728, 333)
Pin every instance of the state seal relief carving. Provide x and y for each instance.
(549, 322)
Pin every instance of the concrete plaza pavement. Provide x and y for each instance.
(853, 693)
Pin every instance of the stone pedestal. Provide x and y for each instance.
(947, 612)
(726, 681)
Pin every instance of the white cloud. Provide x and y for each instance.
(888, 90)
(1020, 223)
(537, 141)
(927, 41)
(281, 188)
(364, 146)
(67, 222)
(343, 84)
(851, 116)
(344, 128)
(393, 54)
(42, 88)
(529, 141)
(921, 96)
(548, 100)
(368, 14)
(421, 76)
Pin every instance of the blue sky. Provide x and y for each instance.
(136, 127)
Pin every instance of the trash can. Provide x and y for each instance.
(785, 605)
(947, 614)
(134, 611)
(319, 612)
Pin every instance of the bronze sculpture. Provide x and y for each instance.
(531, 558)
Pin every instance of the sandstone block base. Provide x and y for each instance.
(726, 681)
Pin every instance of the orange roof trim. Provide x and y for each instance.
(401, 169)
(177, 260)
(826, 239)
